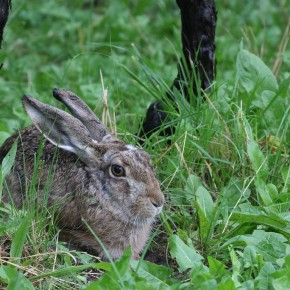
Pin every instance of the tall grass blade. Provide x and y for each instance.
(72, 269)
(7, 164)
(19, 239)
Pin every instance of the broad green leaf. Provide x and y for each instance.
(271, 246)
(282, 282)
(205, 203)
(192, 183)
(14, 279)
(156, 274)
(19, 239)
(263, 191)
(273, 109)
(185, 255)
(122, 265)
(227, 284)
(232, 192)
(258, 88)
(217, 269)
(236, 266)
(204, 225)
(142, 285)
(208, 284)
(260, 166)
(199, 274)
(247, 285)
(250, 257)
(281, 278)
(272, 190)
(249, 214)
(8, 226)
(253, 74)
(259, 163)
(121, 275)
(285, 172)
(284, 206)
(271, 237)
(264, 279)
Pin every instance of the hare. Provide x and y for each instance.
(98, 178)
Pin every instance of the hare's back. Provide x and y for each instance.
(36, 156)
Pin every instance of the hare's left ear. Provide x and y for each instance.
(60, 128)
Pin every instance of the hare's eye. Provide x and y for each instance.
(117, 170)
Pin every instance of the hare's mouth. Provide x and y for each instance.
(141, 221)
(147, 215)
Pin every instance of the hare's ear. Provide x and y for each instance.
(60, 128)
(81, 111)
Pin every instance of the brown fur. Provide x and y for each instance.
(120, 210)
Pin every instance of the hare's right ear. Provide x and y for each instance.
(60, 128)
(82, 111)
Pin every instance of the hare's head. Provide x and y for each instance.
(128, 184)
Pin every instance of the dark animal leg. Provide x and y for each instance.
(198, 18)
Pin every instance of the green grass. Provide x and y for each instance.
(225, 172)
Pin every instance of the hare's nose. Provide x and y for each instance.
(157, 205)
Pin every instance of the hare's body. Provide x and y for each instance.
(97, 179)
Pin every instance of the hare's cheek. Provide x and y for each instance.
(118, 190)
